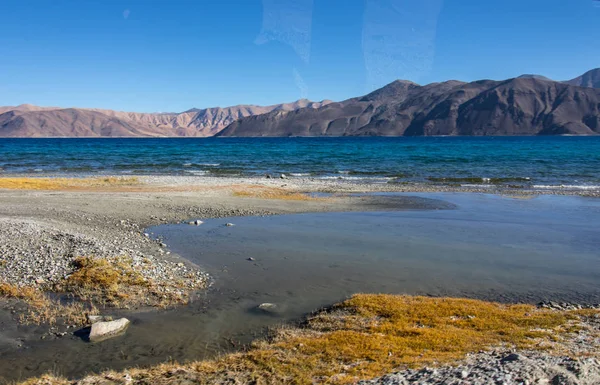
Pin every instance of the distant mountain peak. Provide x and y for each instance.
(396, 89)
(589, 79)
(534, 76)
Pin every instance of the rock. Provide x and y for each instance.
(198, 222)
(510, 358)
(283, 176)
(268, 176)
(267, 307)
(104, 330)
(250, 259)
(92, 319)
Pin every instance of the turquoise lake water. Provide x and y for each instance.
(573, 162)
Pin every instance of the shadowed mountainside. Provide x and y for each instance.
(32, 121)
(529, 105)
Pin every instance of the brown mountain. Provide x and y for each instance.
(588, 79)
(32, 121)
(527, 105)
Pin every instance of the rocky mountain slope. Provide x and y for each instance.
(588, 79)
(528, 105)
(32, 121)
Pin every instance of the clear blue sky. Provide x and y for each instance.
(153, 55)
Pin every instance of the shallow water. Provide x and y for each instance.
(491, 247)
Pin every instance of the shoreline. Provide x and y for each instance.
(303, 184)
(112, 218)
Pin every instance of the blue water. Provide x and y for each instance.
(513, 161)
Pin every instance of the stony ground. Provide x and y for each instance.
(34, 253)
(502, 368)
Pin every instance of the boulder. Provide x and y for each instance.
(104, 330)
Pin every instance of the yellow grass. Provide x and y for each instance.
(43, 310)
(270, 193)
(65, 183)
(115, 282)
(364, 337)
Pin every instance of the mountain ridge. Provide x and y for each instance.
(528, 105)
(33, 121)
(525, 105)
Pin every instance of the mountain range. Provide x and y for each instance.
(32, 121)
(526, 105)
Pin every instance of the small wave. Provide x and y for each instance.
(478, 180)
(197, 172)
(209, 164)
(371, 179)
(298, 174)
(343, 172)
(478, 185)
(568, 187)
(187, 165)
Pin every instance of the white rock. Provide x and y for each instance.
(92, 319)
(103, 330)
(268, 307)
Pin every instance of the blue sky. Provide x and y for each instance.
(153, 55)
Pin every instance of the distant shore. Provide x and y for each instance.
(307, 184)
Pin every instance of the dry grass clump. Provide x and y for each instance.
(28, 183)
(271, 193)
(115, 282)
(363, 337)
(100, 281)
(41, 309)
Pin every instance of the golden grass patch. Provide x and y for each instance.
(271, 193)
(41, 309)
(364, 337)
(115, 282)
(28, 183)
